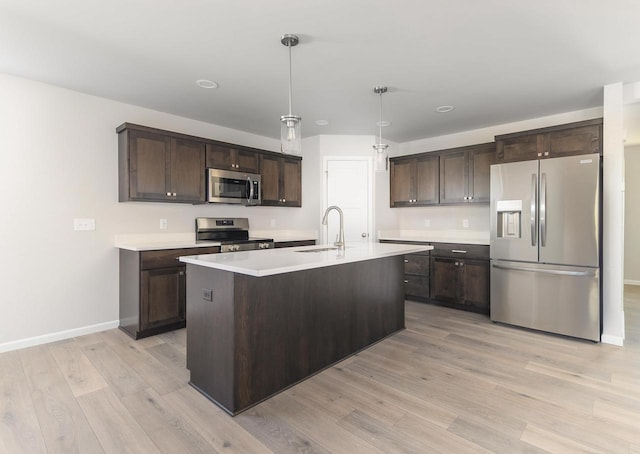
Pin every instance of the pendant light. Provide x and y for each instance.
(381, 159)
(290, 140)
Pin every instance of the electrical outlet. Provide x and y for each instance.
(84, 224)
(207, 294)
(427, 223)
(163, 224)
(465, 223)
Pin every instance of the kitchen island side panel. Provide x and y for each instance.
(210, 333)
(285, 327)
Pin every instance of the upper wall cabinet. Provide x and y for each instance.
(583, 137)
(160, 167)
(414, 180)
(226, 157)
(281, 180)
(464, 174)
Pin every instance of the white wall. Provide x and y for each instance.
(632, 215)
(58, 161)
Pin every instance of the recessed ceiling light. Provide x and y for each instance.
(444, 109)
(205, 83)
(322, 122)
(383, 123)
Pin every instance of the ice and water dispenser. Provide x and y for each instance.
(509, 214)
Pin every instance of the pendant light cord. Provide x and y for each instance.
(380, 122)
(290, 91)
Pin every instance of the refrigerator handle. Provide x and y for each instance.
(543, 210)
(593, 272)
(534, 204)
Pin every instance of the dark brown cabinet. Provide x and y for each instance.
(583, 137)
(465, 174)
(460, 276)
(227, 157)
(416, 276)
(414, 180)
(159, 167)
(281, 180)
(153, 290)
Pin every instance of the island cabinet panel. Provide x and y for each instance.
(153, 290)
(583, 137)
(281, 180)
(259, 335)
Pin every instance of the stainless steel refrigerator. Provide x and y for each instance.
(545, 245)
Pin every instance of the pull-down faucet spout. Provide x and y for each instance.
(340, 242)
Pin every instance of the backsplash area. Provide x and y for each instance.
(442, 218)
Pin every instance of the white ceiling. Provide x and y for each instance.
(496, 61)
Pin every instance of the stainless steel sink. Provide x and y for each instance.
(324, 249)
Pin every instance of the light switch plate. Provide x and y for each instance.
(163, 224)
(465, 223)
(427, 223)
(84, 224)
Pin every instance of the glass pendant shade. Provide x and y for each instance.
(290, 134)
(381, 159)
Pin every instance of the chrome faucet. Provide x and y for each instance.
(340, 241)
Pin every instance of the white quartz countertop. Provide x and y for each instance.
(286, 260)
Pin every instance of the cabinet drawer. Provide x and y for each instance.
(461, 251)
(167, 258)
(416, 264)
(416, 286)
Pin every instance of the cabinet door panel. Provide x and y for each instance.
(454, 184)
(575, 141)
(427, 180)
(188, 170)
(444, 279)
(163, 297)
(416, 286)
(219, 157)
(523, 148)
(475, 284)
(291, 179)
(148, 165)
(480, 174)
(247, 161)
(416, 264)
(270, 173)
(402, 182)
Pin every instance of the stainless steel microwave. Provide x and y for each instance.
(226, 186)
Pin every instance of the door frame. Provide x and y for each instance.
(370, 190)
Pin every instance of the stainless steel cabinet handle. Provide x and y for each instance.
(456, 263)
(542, 270)
(406, 281)
(534, 204)
(174, 194)
(250, 183)
(543, 210)
(168, 194)
(406, 261)
(458, 251)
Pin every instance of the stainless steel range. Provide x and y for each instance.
(232, 233)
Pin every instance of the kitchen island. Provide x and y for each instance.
(261, 321)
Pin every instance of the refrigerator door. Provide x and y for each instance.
(514, 228)
(557, 299)
(568, 210)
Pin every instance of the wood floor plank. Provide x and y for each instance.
(213, 424)
(169, 431)
(174, 360)
(116, 429)
(19, 427)
(122, 379)
(552, 442)
(484, 435)
(63, 424)
(81, 376)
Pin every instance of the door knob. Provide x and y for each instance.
(364, 235)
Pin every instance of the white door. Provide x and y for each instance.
(348, 185)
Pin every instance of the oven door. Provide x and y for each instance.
(224, 186)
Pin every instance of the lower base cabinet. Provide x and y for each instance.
(153, 290)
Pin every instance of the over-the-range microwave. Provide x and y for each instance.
(226, 186)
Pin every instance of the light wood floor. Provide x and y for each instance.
(451, 382)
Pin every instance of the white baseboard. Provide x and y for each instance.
(631, 282)
(60, 335)
(613, 340)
